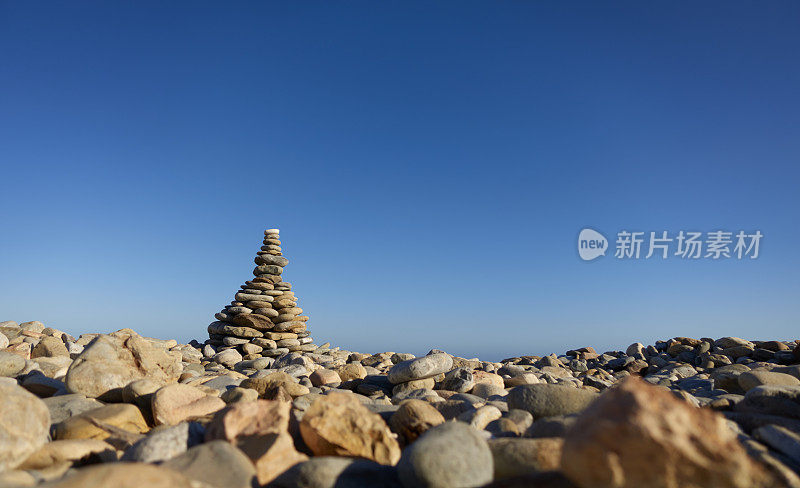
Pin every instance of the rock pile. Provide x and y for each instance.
(120, 410)
(264, 319)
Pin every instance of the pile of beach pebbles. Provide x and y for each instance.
(264, 319)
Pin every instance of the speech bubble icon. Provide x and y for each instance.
(591, 244)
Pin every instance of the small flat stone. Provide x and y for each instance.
(267, 312)
(227, 358)
(246, 297)
(324, 377)
(547, 400)
(268, 269)
(225, 329)
(238, 309)
(101, 423)
(419, 368)
(408, 386)
(459, 380)
(270, 259)
(178, 402)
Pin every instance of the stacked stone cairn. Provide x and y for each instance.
(264, 319)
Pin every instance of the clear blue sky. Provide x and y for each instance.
(429, 164)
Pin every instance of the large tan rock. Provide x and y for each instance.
(413, 418)
(339, 425)
(177, 402)
(24, 425)
(102, 423)
(110, 362)
(638, 435)
(260, 430)
(124, 475)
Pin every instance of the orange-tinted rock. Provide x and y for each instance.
(324, 377)
(339, 425)
(260, 430)
(351, 371)
(102, 423)
(638, 435)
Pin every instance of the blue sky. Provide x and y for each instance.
(429, 164)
